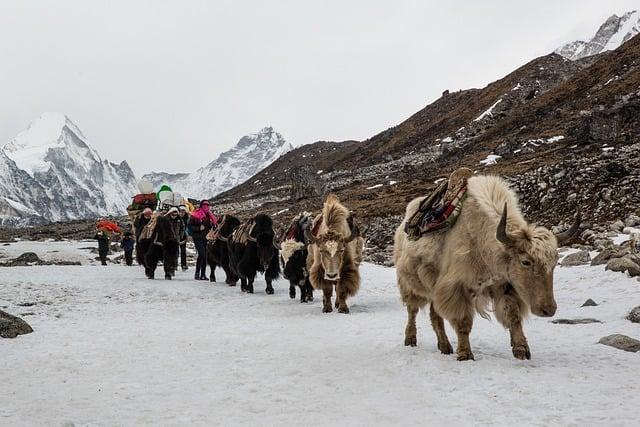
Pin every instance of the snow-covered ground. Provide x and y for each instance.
(113, 348)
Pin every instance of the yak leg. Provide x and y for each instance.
(269, 288)
(212, 277)
(250, 284)
(243, 284)
(292, 290)
(326, 300)
(509, 309)
(309, 289)
(438, 326)
(410, 332)
(454, 304)
(341, 298)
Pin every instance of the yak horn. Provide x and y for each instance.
(501, 232)
(309, 237)
(565, 236)
(275, 243)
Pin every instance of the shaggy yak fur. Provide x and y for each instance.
(218, 250)
(293, 256)
(335, 253)
(490, 256)
(253, 249)
(162, 246)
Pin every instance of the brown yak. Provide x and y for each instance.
(335, 253)
(490, 256)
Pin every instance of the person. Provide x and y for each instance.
(127, 245)
(141, 220)
(184, 216)
(103, 246)
(177, 231)
(200, 223)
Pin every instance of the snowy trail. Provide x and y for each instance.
(112, 348)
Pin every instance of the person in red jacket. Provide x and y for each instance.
(200, 223)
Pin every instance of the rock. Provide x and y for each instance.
(624, 265)
(589, 303)
(27, 257)
(634, 315)
(575, 321)
(621, 342)
(617, 226)
(602, 257)
(578, 258)
(12, 326)
(632, 220)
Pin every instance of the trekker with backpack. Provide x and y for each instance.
(184, 217)
(103, 246)
(200, 223)
(127, 245)
(138, 225)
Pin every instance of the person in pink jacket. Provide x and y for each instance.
(201, 221)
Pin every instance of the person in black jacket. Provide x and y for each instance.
(177, 230)
(139, 223)
(184, 216)
(103, 246)
(127, 245)
(200, 223)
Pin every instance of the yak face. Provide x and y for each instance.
(531, 256)
(266, 249)
(333, 252)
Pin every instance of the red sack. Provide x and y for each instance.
(108, 225)
(145, 199)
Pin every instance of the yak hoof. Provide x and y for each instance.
(231, 283)
(292, 294)
(343, 309)
(269, 291)
(327, 309)
(337, 303)
(167, 277)
(212, 279)
(522, 352)
(309, 298)
(410, 340)
(445, 347)
(465, 355)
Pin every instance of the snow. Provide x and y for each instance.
(491, 159)
(488, 112)
(439, 180)
(516, 87)
(554, 139)
(19, 207)
(629, 26)
(608, 148)
(319, 172)
(113, 348)
(374, 186)
(447, 139)
(77, 251)
(393, 182)
(281, 211)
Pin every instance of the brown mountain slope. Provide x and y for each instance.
(568, 134)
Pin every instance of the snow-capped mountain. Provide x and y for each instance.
(615, 31)
(251, 154)
(50, 173)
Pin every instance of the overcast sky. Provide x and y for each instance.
(168, 85)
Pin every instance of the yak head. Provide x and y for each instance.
(263, 236)
(293, 257)
(332, 248)
(530, 257)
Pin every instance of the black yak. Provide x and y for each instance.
(253, 248)
(218, 250)
(163, 245)
(293, 255)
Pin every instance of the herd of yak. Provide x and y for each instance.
(491, 259)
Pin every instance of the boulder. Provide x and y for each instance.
(27, 257)
(623, 265)
(621, 342)
(575, 321)
(12, 326)
(632, 220)
(634, 315)
(602, 258)
(617, 226)
(577, 258)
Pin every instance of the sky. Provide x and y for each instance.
(168, 85)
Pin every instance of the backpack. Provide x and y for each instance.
(145, 200)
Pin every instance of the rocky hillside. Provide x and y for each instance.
(611, 34)
(252, 153)
(567, 133)
(49, 172)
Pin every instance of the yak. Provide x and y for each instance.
(293, 256)
(491, 255)
(163, 245)
(252, 249)
(335, 253)
(218, 250)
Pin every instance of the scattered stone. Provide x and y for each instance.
(577, 258)
(634, 315)
(12, 326)
(632, 220)
(602, 257)
(27, 257)
(621, 342)
(575, 321)
(617, 226)
(26, 304)
(624, 265)
(589, 303)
